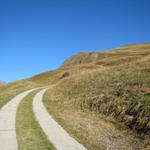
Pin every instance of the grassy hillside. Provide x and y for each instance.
(123, 76)
(121, 91)
(113, 85)
(120, 87)
(116, 84)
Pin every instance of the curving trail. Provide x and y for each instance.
(55, 133)
(8, 139)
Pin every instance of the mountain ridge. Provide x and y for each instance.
(87, 57)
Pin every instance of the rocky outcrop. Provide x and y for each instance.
(83, 57)
(127, 50)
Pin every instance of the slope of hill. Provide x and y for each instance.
(121, 91)
(120, 87)
(113, 85)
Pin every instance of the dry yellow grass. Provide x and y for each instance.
(95, 131)
(117, 86)
(114, 84)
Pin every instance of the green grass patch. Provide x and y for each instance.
(29, 133)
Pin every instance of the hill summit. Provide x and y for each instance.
(130, 50)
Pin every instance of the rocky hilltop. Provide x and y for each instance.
(131, 50)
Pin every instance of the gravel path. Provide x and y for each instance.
(8, 139)
(55, 133)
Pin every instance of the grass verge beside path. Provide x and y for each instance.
(55, 110)
(94, 131)
(29, 134)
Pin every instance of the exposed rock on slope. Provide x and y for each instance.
(127, 50)
(83, 57)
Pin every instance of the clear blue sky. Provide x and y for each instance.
(38, 35)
